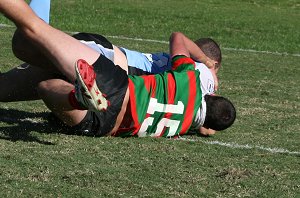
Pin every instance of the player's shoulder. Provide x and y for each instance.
(203, 69)
(206, 78)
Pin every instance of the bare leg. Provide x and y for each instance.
(20, 83)
(62, 49)
(55, 93)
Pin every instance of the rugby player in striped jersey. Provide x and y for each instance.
(110, 89)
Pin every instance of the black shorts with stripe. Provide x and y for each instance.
(112, 81)
(97, 38)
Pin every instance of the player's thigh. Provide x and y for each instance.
(63, 50)
(55, 94)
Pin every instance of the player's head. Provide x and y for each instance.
(210, 49)
(220, 113)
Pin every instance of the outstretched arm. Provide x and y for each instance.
(181, 45)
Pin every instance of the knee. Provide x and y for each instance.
(21, 47)
(43, 88)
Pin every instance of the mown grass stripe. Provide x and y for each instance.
(166, 42)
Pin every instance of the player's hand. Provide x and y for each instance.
(206, 132)
(216, 80)
(211, 64)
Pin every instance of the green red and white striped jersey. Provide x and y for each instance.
(164, 105)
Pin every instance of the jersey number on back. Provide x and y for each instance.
(153, 107)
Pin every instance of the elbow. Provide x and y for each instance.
(175, 34)
(175, 37)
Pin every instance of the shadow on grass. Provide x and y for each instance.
(19, 124)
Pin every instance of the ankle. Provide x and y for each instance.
(74, 102)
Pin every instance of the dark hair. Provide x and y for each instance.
(210, 49)
(220, 113)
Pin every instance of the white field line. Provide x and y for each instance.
(28, 120)
(234, 145)
(223, 48)
(5, 25)
(166, 42)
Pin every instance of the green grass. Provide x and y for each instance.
(38, 161)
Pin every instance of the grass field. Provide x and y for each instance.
(259, 156)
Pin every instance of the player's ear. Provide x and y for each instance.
(217, 66)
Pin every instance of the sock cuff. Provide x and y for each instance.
(73, 101)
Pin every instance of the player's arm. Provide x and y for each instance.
(181, 45)
(216, 80)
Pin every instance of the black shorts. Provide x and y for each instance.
(112, 81)
(98, 39)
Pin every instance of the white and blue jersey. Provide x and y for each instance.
(159, 62)
(152, 63)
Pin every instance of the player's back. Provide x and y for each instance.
(165, 104)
